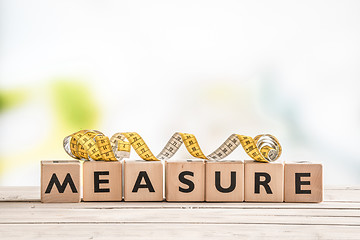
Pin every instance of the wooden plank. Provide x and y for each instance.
(28, 193)
(32, 193)
(195, 216)
(26, 206)
(15, 208)
(23, 216)
(345, 194)
(185, 205)
(176, 231)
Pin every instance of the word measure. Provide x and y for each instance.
(185, 181)
(106, 177)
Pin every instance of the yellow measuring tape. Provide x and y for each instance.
(94, 145)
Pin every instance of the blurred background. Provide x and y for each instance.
(211, 68)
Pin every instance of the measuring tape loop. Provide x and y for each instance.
(94, 145)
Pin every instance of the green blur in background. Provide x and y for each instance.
(208, 68)
(68, 101)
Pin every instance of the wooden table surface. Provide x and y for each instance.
(22, 216)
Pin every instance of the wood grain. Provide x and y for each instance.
(23, 216)
(108, 178)
(65, 172)
(230, 173)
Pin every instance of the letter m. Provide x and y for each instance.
(61, 187)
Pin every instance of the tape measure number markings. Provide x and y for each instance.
(94, 145)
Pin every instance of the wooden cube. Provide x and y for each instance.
(143, 180)
(60, 181)
(264, 182)
(224, 181)
(102, 181)
(185, 181)
(303, 182)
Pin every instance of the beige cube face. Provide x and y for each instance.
(143, 180)
(185, 181)
(224, 181)
(264, 182)
(303, 182)
(102, 181)
(60, 181)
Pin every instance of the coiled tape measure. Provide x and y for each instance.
(94, 145)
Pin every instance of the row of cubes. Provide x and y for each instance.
(185, 181)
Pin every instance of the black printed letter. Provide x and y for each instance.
(148, 185)
(61, 187)
(186, 181)
(232, 184)
(264, 183)
(97, 182)
(298, 183)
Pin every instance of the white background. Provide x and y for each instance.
(211, 68)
